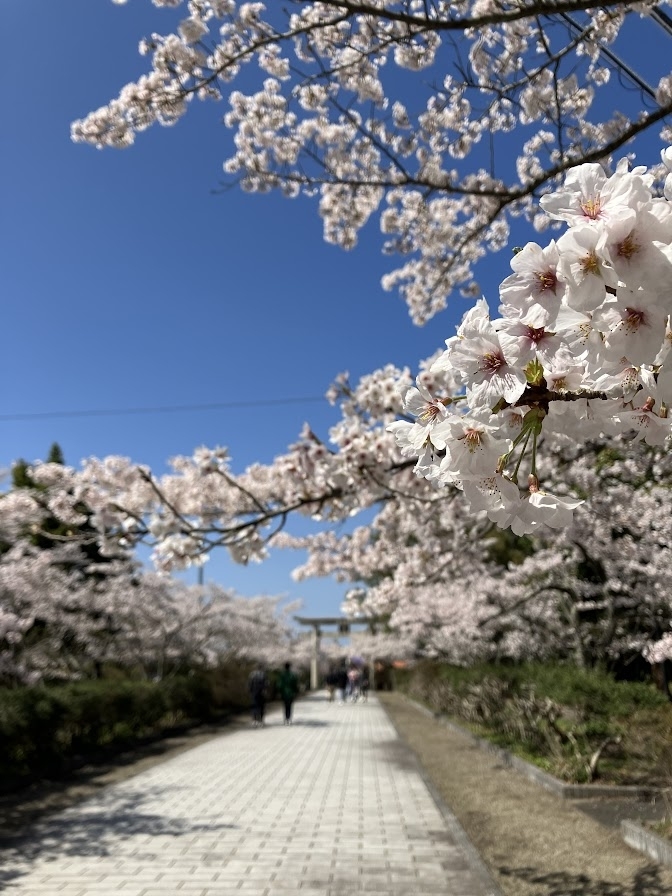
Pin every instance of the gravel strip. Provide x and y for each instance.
(534, 843)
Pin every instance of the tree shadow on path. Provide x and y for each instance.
(645, 882)
(95, 830)
(309, 723)
(398, 754)
(23, 806)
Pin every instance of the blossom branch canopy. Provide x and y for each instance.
(402, 110)
(581, 349)
(581, 344)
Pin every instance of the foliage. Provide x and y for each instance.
(146, 623)
(593, 691)
(504, 548)
(54, 528)
(580, 724)
(46, 731)
(340, 111)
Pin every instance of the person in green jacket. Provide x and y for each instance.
(288, 685)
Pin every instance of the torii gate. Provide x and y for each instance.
(343, 627)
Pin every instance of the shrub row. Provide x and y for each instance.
(580, 724)
(46, 731)
(592, 692)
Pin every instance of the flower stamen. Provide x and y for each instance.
(546, 281)
(628, 247)
(591, 208)
(590, 264)
(633, 319)
(473, 439)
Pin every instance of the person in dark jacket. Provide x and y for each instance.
(365, 685)
(331, 682)
(288, 685)
(342, 683)
(257, 685)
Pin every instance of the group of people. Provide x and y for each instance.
(345, 683)
(259, 687)
(348, 684)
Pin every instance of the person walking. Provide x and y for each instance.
(342, 683)
(364, 685)
(353, 683)
(288, 685)
(257, 685)
(331, 681)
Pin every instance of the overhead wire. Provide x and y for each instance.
(621, 66)
(162, 409)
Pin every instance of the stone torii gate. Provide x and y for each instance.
(343, 626)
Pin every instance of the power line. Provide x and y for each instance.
(621, 66)
(167, 409)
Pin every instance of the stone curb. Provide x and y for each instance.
(647, 842)
(633, 834)
(565, 791)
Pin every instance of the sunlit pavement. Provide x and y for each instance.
(333, 805)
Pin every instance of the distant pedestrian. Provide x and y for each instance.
(330, 682)
(364, 685)
(342, 683)
(288, 685)
(257, 685)
(353, 683)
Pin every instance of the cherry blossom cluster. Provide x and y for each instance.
(581, 348)
(383, 108)
(659, 651)
(444, 585)
(424, 564)
(57, 622)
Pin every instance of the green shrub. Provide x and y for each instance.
(228, 684)
(47, 730)
(593, 691)
(188, 698)
(555, 713)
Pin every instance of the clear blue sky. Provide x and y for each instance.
(129, 283)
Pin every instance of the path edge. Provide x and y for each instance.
(457, 831)
(538, 775)
(650, 844)
(636, 836)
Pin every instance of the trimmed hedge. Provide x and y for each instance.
(46, 731)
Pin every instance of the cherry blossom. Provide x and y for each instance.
(580, 349)
(578, 370)
(444, 121)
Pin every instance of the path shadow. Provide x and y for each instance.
(645, 882)
(93, 830)
(397, 752)
(309, 723)
(272, 724)
(23, 806)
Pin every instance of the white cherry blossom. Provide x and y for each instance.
(633, 323)
(472, 449)
(479, 359)
(536, 288)
(332, 108)
(586, 272)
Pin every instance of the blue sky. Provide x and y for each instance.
(130, 282)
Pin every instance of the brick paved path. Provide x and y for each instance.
(332, 806)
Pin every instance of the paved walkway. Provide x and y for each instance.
(334, 805)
